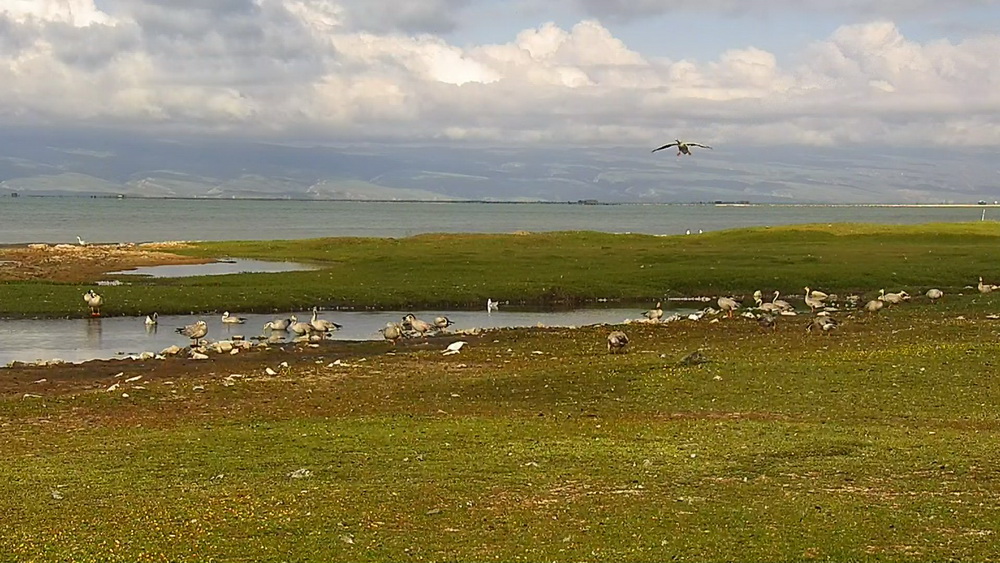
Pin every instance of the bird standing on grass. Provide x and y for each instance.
(934, 295)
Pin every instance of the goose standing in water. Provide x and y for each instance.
(728, 305)
(151, 319)
(322, 325)
(232, 320)
(94, 301)
(492, 305)
(655, 313)
(682, 147)
(277, 324)
(934, 295)
(298, 327)
(80, 241)
(195, 331)
(617, 342)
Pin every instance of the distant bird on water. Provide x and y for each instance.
(492, 305)
(233, 320)
(151, 319)
(655, 313)
(322, 325)
(682, 147)
(80, 241)
(94, 301)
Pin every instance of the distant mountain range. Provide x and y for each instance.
(42, 162)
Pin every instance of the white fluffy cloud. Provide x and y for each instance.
(308, 68)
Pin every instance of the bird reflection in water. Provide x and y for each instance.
(94, 330)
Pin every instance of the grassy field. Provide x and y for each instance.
(462, 271)
(875, 443)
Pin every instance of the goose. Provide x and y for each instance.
(277, 324)
(230, 319)
(94, 301)
(781, 303)
(322, 325)
(422, 327)
(194, 331)
(767, 321)
(151, 319)
(812, 302)
(728, 305)
(682, 147)
(655, 313)
(492, 305)
(818, 295)
(391, 332)
(984, 287)
(80, 241)
(617, 342)
(299, 327)
(766, 307)
(443, 322)
(823, 324)
(934, 295)
(874, 306)
(892, 298)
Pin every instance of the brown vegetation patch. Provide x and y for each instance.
(75, 263)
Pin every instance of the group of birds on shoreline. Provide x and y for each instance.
(821, 306)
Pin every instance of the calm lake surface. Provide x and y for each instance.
(62, 219)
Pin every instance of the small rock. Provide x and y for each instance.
(135, 378)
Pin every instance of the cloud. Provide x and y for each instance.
(301, 69)
(634, 9)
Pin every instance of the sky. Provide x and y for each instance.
(753, 73)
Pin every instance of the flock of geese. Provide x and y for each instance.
(821, 305)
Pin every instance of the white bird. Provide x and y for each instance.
(443, 322)
(617, 342)
(812, 302)
(94, 301)
(454, 347)
(682, 147)
(422, 327)
(655, 313)
(299, 327)
(195, 331)
(892, 298)
(818, 295)
(934, 295)
(781, 303)
(80, 241)
(322, 325)
(984, 287)
(151, 319)
(874, 306)
(230, 319)
(391, 332)
(492, 305)
(728, 305)
(277, 324)
(766, 307)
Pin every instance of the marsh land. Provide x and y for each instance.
(876, 441)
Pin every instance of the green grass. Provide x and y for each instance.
(461, 271)
(877, 443)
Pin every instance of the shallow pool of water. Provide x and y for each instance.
(77, 340)
(227, 266)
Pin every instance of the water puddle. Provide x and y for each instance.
(226, 266)
(78, 340)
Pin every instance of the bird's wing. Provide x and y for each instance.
(664, 147)
(698, 145)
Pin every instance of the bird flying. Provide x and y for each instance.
(682, 147)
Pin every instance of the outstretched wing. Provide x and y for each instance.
(665, 147)
(698, 145)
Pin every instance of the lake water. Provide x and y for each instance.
(55, 219)
(76, 340)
